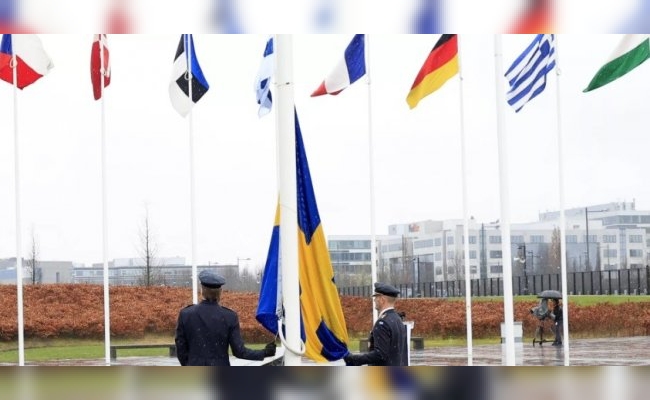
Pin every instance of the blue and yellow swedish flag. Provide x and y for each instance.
(323, 326)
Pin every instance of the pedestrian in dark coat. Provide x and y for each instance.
(205, 331)
(387, 343)
(558, 322)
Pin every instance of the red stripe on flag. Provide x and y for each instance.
(440, 55)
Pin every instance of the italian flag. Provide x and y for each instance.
(631, 52)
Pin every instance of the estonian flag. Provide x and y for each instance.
(179, 92)
(32, 61)
(349, 69)
(323, 328)
(440, 65)
(97, 68)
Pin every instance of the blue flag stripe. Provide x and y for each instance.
(355, 59)
(527, 74)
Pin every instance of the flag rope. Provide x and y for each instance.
(303, 348)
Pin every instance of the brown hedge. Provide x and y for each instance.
(77, 311)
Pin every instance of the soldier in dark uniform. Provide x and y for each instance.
(206, 330)
(387, 342)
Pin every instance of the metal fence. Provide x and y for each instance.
(616, 282)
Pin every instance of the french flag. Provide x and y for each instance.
(349, 69)
(31, 59)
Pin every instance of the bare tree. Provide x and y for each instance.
(151, 275)
(247, 282)
(32, 261)
(458, 265)
(555, 251)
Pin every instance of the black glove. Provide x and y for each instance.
(349, 360)
(269, 350)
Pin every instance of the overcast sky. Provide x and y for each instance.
(417, 152)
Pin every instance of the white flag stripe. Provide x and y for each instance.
(527, 74)
(263, 80)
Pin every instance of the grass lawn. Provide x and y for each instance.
(80, 349)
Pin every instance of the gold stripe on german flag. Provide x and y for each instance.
(440, 65)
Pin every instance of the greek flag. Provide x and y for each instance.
(263, 80)
(527, 75)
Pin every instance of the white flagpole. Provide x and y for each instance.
(371, 176)
(107, 306)
(560, 152)
(463, 157)
(19, 260)
(288, 197)
(195, 285)
(508, 308)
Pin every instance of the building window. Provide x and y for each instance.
(495, 253)
(437, 242)
(423, 244)
(592, 238)
(472, 240)
(610, 253)
(537, 238)
(636, 238)
(472, 269)
(450, 240)
(472, 254)
(496, 269)
(349, 244)
(395, 247)
(516, 239)
(636, 253)
(495, 239)
(572, 238)
(450, 255)
(438, 256)
(438, 271)
(609, 239)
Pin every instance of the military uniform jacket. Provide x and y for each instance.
(205, 331)
(387, 342)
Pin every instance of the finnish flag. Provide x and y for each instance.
(263, 80)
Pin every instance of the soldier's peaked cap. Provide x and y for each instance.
(386, 289)
(211, 279)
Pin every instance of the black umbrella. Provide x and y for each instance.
(550, 294)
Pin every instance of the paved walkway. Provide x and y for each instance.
(592, 352)
(583, 352)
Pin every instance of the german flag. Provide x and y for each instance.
(440, 65)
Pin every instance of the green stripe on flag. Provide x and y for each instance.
(620, 66)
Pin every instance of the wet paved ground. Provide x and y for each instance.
(583, 352)
(614, 351)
